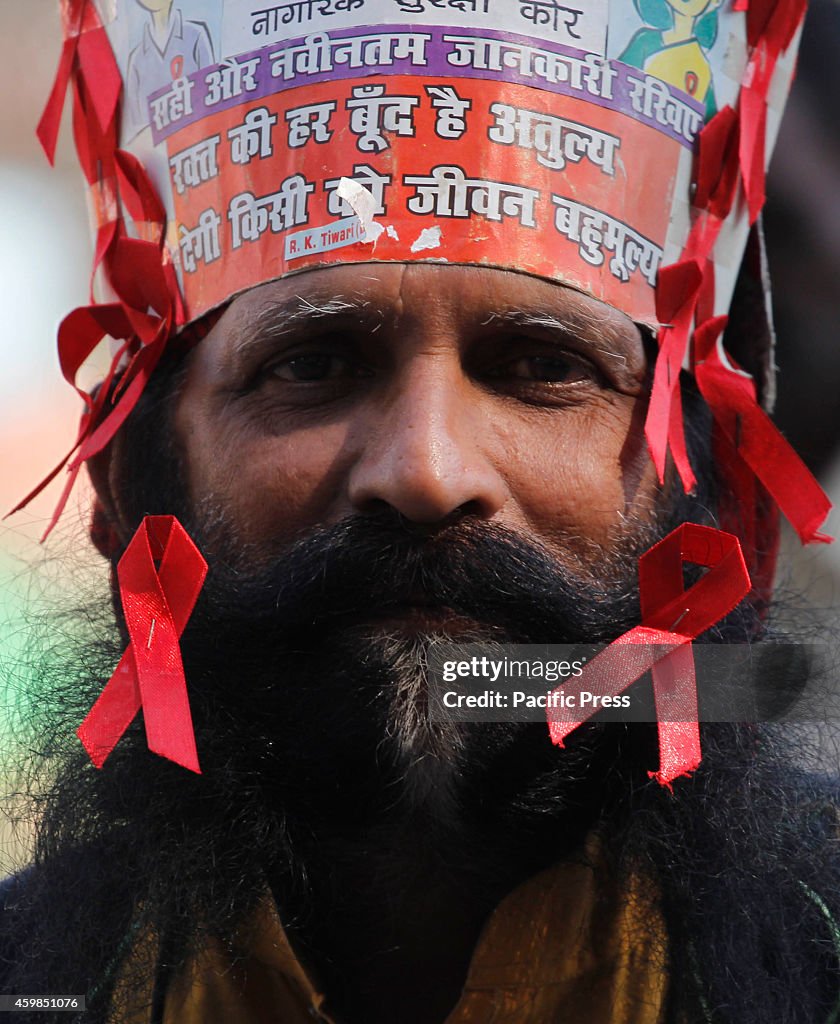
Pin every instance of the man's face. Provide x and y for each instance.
(377, 457)
(438, 392)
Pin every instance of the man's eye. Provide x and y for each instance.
(312, 367)
(547, 369)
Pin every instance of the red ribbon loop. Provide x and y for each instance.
(157, 604)
(671, 618)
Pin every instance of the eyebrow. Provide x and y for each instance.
(299, 313)
(601, 333)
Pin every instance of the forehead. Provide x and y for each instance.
(422, 297)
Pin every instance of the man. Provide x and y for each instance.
(376, 455)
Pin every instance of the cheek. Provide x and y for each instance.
(585, 474)
(271, 487)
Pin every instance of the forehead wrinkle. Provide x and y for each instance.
(286, 317)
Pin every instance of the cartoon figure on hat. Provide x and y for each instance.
(170, 48)
(672, 46)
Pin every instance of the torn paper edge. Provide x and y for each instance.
(363, 204)
(429, 238)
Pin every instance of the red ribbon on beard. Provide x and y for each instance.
(671, 618)
(157, 604)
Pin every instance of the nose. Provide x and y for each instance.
(426, 452)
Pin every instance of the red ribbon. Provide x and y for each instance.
(730, 394)
(688, 286)
(671, 618)
(157, 604)
(677, 290)
(732, 144)
(87, 50)
(138, 269)
(771, 26)
(730, 147)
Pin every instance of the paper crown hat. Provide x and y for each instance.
(616, 146)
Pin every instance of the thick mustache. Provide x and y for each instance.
(370, 564)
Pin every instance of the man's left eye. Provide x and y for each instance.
(547, 369)
(313, 367)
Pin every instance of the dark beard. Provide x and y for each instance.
(329, 720)
(329, 638)
(330, 723)
(322, 638)
(145, 844)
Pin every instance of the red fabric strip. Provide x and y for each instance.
(138, 269)
(686, 288)
(87, 50)
(48, 126)
(102, 435)
(676, 295)
(771, 26)
(139, 197)
(730, 394)
(753, 109)
(777, 20)
(716, 179)
(97, 64)
(79, 334)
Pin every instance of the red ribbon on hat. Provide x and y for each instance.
(677, 290)
(87, 50)
(771, 26)
(671, 618)
(157, 604)
(685, 295)
(730, 394)
(688, 286)
(136, 262)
